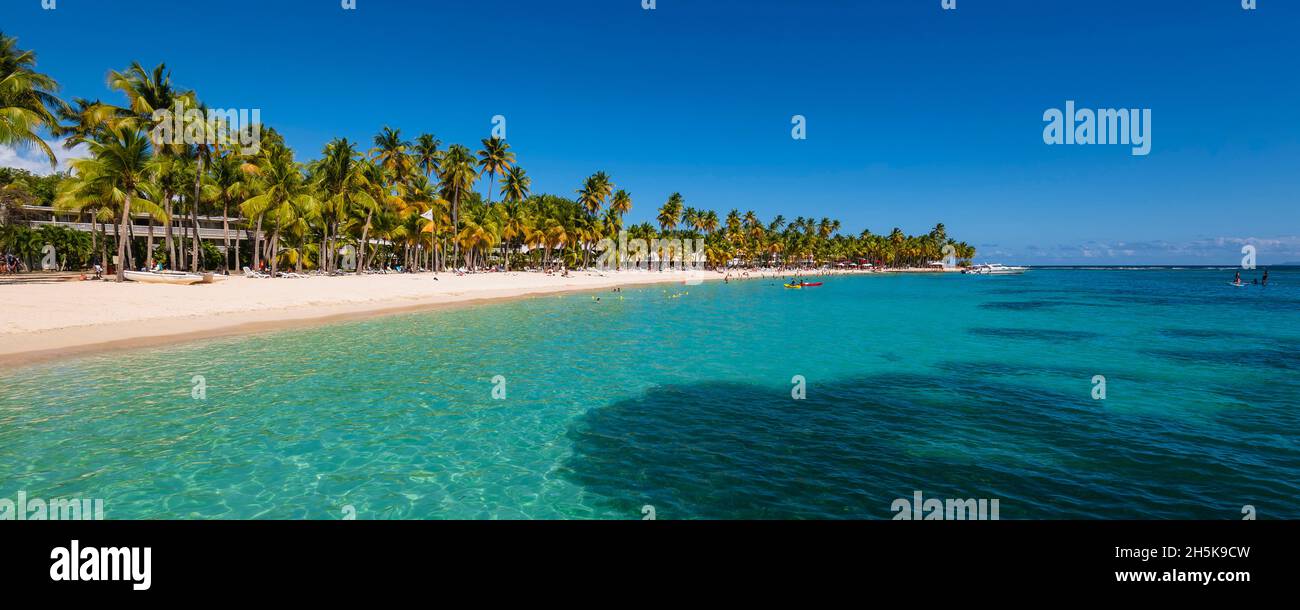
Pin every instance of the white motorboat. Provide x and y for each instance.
(165, 277)
(995, 269)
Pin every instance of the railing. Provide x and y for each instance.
(159, 231)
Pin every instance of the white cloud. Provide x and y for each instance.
(35, 161)
(1205, 250)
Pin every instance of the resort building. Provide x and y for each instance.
(210, 227)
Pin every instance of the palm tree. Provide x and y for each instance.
(284, 196)
(896, 240)
(515, 189)
(230, 180)
(709, 223)
(495, 157)
(376, 184)
(27, 99)
(621, 203)
(85, 120)
(344, 187)
(589, 195)
(670, 213)
(458, 173)
(691, 218)
(426, 154)
(390, 154)
(119, 165)
(203, 151)
(148, 91)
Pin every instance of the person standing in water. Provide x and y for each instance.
(1264, 281)
(1237, 280)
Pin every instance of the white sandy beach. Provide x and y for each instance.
(46, 320)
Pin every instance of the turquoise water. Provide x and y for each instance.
(960, 387)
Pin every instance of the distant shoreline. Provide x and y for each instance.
(52, 316)
(1168, 267)
(48, 320)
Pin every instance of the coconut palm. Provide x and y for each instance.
(589, 196)
(27, 99)
(426, 155)
(709, 222)
(457, 173)
(514, 189)
(621, 203)
(517, 185)
(118, 166)
(691, 218)
(670, 213)
(344, 187)
(389, 153)
(494, 158)
(206, 138)
(86, 120)
(147, 92)
(284, 196)
(376, 184)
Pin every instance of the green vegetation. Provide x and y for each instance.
(400, 203)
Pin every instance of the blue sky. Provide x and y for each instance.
(915, 114)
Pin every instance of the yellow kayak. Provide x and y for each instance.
(795, 286)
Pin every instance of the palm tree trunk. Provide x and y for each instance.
(130, 241)
(365, 232)
(195, 251)
(167, 231)
(225, 232)
(148, 254)
(184, 235)
(455, 220)
(194, 212)
(274, 244)
(332, 255)
(93, 238)
(103, 245)
(121, 245)
(257, 245)
(237, 267)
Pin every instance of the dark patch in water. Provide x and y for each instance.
(1019, 305)
(1191, 333)
(1278, 359)
(1034, 334)
(1002, 369)
(732, 451)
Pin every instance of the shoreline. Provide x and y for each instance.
(47, 321)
